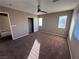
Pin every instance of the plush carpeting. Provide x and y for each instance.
(6, 38)
(50, 47)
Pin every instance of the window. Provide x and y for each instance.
(40, 21)
(62, 21)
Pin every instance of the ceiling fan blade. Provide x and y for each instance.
(38, 10)
(43, 11)
(55, 0)
(38, 6)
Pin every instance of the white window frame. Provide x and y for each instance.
(40, 22)
(60, 24)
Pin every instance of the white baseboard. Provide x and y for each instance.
(20, 36)
(53, 33)
(69, 49)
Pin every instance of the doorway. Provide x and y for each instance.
(5, 28)
(31, 25)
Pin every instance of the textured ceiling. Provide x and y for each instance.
(47, 5)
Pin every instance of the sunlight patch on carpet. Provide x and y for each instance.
(34, 53)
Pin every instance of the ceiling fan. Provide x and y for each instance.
(55, 0)
(39, 9)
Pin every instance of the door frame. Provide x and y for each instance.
(9, 23)
(33, 23)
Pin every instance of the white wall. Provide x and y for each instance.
(35, 24)
(4, 23)
(73, 40)
(4, 26)
(19, 21)
(50, 23)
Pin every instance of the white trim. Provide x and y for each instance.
(69, 49)
(60, 22)
(28, 22)
(10, 26)
(9, 23)
(21, 36)
(53, 33)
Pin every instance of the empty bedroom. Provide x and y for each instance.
(39, 29)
